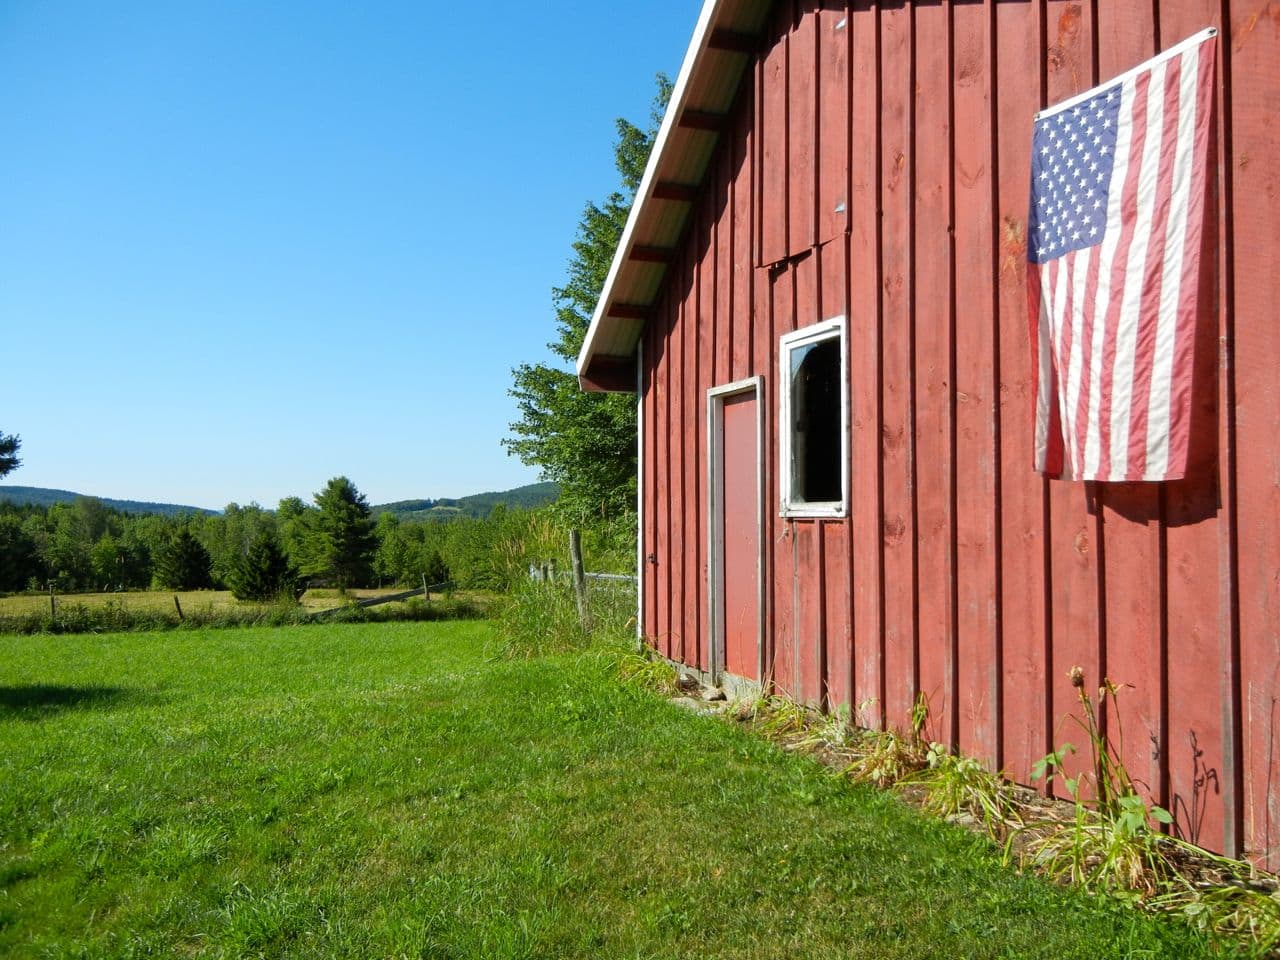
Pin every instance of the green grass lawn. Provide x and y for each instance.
(388, 790)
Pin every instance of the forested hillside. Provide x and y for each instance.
(478, 505)
(46, 497)
(528, 497)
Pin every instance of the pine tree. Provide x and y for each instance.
(9, 461)
(339, 541)
(183, 564)
(263, 572)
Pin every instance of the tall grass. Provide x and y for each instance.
(113, 617)
(539, 617)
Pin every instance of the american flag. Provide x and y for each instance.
(1118, 177)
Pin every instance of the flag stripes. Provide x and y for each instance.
(1113, 306)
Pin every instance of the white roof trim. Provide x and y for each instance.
(679, 94)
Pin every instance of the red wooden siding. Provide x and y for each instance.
(876, 167)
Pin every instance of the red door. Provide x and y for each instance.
(739, 521)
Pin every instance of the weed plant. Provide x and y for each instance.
(1235, 913)
(885, 757)
(1109, 844)
(956, 786)
(644, 669)
(779, 718)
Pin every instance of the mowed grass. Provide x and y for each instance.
(393, 791)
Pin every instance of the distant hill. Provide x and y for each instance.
(477, 505)
(44, 497)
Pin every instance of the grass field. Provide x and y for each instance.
(391, 790)
(192, 600)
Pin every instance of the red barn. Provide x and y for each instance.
(821, 301)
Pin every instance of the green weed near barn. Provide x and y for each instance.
(394, 790)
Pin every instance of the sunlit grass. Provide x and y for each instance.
(393, 790)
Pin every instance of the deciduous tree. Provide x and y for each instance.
(586, 442)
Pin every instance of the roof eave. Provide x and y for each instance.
(616, 326)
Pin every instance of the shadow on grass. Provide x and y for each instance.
(33, 701)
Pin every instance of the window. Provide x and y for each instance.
(814, 399)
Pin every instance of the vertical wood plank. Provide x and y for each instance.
(809, 637)
(802, 91)
(704, 334)
(1132, 516)
(900, 663)
(979, 669)
(653, 495)
(1252, 52)
(837, 623)
(1024, 605)
(722, 319)
(679, 503)
(688, 430)
(666, 555)
(786, 664)
(1218, 286)
(932, 396)
(773, 143)
(765, 203)
(833, 119)
(865, 351)
(1075, 538)
(743, 192)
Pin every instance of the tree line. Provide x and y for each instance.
(260, 553)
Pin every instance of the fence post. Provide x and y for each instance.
(579, 580)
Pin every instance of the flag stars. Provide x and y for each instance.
(1068, 205)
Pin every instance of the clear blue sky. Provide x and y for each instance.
(245, 247)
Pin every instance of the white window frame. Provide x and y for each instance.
(788, 342)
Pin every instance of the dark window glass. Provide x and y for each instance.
(815, 422)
